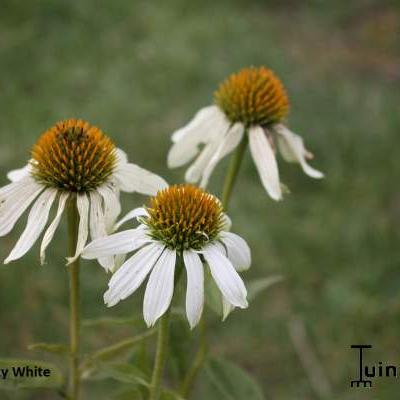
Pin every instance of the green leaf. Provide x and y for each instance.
(53, 348)
(170, 395)
(230, 382)
(17, 367)
(121, 372)
(119, 349)
(100, 322)
(254, 288)
(130, 394)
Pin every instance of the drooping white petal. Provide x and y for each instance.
(117, 243)
(82, 204)
(265, 161)
(195, 287)
(37, 220)
(133, 178)
(133, 214)
(18, 174)
(112, 205)
(160, 287)
(187, 147)
(97, 225)
(132, 273)
(195, 125)
(15, 198)
(228, 144)
(227, 308)
(195, 171)
(225, 276)
(238, 250)
(293, 150)
(49, 234)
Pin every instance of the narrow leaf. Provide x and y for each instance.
(170, 395)
(230, 382)
(53, 348)
(119, 349)
(121, 372)
(254, 288)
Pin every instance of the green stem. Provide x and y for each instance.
(233, 170)
(198, 362)
(74, 304)
(161, 354)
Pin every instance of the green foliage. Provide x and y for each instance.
(118, 350)
(53, 381)
(257, 286)
(121, 372)
(52, 348)
(170, 395)
(230, 382)
(129, 394)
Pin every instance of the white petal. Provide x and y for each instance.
(132, 273)
(133, 178)
(97, 225)
(160, 287)
(293, 150)
(214, 124)
(135, 213)
(227, 308)
(227, 279)
(201, 117)
(18, 174)
(238, 250)
(119, 260)
(195, 287)
(112, 205)
(195, 171)
(122, 158)
(82, 203)
(264, 158)
(117, 243)
(49, 234)
(227, 223)
(15, 198)
(228, 144)
(37, 220)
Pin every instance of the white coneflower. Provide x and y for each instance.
(72, 161)
(182, 222)
(252, 101)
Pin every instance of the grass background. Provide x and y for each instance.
(141, 69)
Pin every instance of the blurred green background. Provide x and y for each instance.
(139, 70)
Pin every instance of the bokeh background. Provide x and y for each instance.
(139, 70)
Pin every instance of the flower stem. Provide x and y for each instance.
(74, 303)
(161, 355)
(233, 170)
(199, 358)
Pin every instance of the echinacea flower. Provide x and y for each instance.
(182, 225)
(252, 102)
(74, 162)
